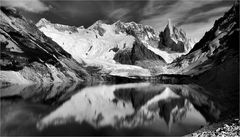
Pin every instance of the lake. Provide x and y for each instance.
(108, 109)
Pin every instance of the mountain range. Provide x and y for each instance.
(53, 53)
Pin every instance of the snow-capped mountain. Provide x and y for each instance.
(110, 45)
(96, 45)
(99, 41)
(122, 49)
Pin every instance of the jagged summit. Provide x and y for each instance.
(169, 26)
(175, 39)
(176, 34)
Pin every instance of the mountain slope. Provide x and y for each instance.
(219, 46)
(28, 56)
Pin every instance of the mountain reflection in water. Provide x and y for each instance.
(125, 109)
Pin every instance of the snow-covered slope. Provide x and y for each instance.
(96, 45)
(99, 41)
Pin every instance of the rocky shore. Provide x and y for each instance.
(226, 128)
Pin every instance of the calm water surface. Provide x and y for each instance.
(123, 109)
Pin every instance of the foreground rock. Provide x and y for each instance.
(228, 128)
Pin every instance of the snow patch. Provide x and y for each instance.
(13, 77)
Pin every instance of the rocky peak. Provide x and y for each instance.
(169, 26)
(143, 32)
(139, 27)
(98, 27)
(120, 26)
(174, 38)
(176, 34)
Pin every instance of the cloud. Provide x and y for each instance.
(35, 6)
(119, 14)
(159, 7)
(123, 10)
(204, 16)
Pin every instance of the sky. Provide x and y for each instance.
(195, 17)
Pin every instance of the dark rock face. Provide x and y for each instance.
(226, 25)
(139, 55)
(24, 47)
(124, 56)
(174, 39)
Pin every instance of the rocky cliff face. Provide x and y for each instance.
(28, 56)
(174, 39)
(140, 55)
